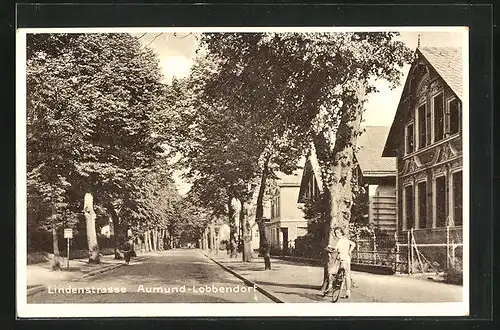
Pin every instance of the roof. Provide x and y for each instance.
(371, 162)
(316, 169)
(289, 180)
(447, 62)
(371, 143)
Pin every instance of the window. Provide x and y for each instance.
(278, 206)
(409, 207)
(457, 197)
(455, 120)
(422, 126)
(422, 204)
(409, 139)
(441, 201)
(310, 188)
(438, 117)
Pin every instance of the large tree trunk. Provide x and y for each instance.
(90, 216)
(212, 238)
(150, 242)
(264, 247)
(247, 238)
(147, 242)
(117, 231)
(338, 166)
(233, 234)
(56, 265)
(203, 239)
(160, 239)
(155, 240)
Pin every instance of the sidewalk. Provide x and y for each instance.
(293, 282)
(41, 275)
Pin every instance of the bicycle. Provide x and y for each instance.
(338, 284)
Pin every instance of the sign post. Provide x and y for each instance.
(68, 234)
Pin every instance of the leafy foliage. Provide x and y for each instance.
(93, 101)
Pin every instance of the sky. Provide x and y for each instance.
(176, 52)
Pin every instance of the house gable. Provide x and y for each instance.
(433, 68)
(311, 179)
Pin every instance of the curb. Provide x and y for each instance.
(100, 271)
(36, 289)
(88, 275)
(247, 281)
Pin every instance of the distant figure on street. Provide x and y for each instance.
(234, 247)
(128, 251)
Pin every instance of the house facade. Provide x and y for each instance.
(426, 139)
(286, 217)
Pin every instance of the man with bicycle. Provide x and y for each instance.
(339, 252)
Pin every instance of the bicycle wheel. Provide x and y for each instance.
(338, 285)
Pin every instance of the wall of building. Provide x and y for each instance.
(382, 209)
(295, 228)
(289, 210)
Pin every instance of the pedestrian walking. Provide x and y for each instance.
(128, 251)
(234, 247)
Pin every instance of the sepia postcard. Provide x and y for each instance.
(195, 172)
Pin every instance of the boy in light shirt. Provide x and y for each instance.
(340, 253)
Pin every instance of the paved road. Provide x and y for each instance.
(175, 276)
(297, 283)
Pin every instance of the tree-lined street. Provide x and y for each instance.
(168, 271)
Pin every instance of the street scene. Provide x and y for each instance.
(156, 277)
(257, 167)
